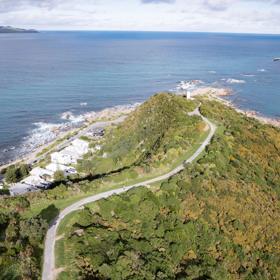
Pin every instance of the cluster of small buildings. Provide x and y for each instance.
(43, 178)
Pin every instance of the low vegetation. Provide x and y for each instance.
(153, 137)
(16, 173)
(20, 240)
(218, 219)
(59, 176)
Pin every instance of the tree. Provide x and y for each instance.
(16, 173)
(11, 175)
(59, 176)
(23, 170)
(33, 229)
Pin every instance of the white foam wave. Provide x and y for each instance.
(262, 70)
(234, 81)
(212, 72)
(248, 75)
(83, 104)
(69, 116)
(188, 85)
(44, 133)
(12, 148)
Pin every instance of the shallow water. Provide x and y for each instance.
(44, 75)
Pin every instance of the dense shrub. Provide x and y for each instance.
(218, 219)
(159, 129)
(15, 173)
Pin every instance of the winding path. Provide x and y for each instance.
(49, 253)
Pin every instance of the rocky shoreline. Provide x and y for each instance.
(219, 93)
(73, 124)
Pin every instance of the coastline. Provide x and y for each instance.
(62, 132)
(219, 93)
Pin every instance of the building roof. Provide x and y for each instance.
(63, 158)
(81, 146)
(34, 181)
(21, 188)
(71, 151)
(80, 143)
(59, 167)
(38, 171)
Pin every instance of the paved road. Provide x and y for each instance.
(49, 253)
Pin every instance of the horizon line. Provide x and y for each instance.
(155, 31)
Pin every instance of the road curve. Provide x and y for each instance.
(49, 253)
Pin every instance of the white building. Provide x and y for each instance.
(35, 181)
(72, 151)
(53, 167)
(63, 158)
(21, 188)
(41, 172)
(81, 146)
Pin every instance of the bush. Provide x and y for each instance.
(24, 170)
(11, 175)
(59, 176)
(217, 219)
(4, 192)
(15, 173)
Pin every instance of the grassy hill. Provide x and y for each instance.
(218, 219)
(157, 133)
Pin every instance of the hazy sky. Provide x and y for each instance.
(256, 16)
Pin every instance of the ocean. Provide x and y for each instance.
(47, 74)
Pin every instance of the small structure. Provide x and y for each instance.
(53, 167)
(36, 181)
(72, 151)
(21, 188)
(41, 172)
(81, 146)
(63, 158)
(187, 94)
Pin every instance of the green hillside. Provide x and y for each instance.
(157, 133)
(218, 219)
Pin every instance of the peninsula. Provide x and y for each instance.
(10, 29)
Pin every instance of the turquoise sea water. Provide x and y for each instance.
(43, 75)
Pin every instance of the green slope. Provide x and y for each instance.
(219, 219)
(159, 130)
